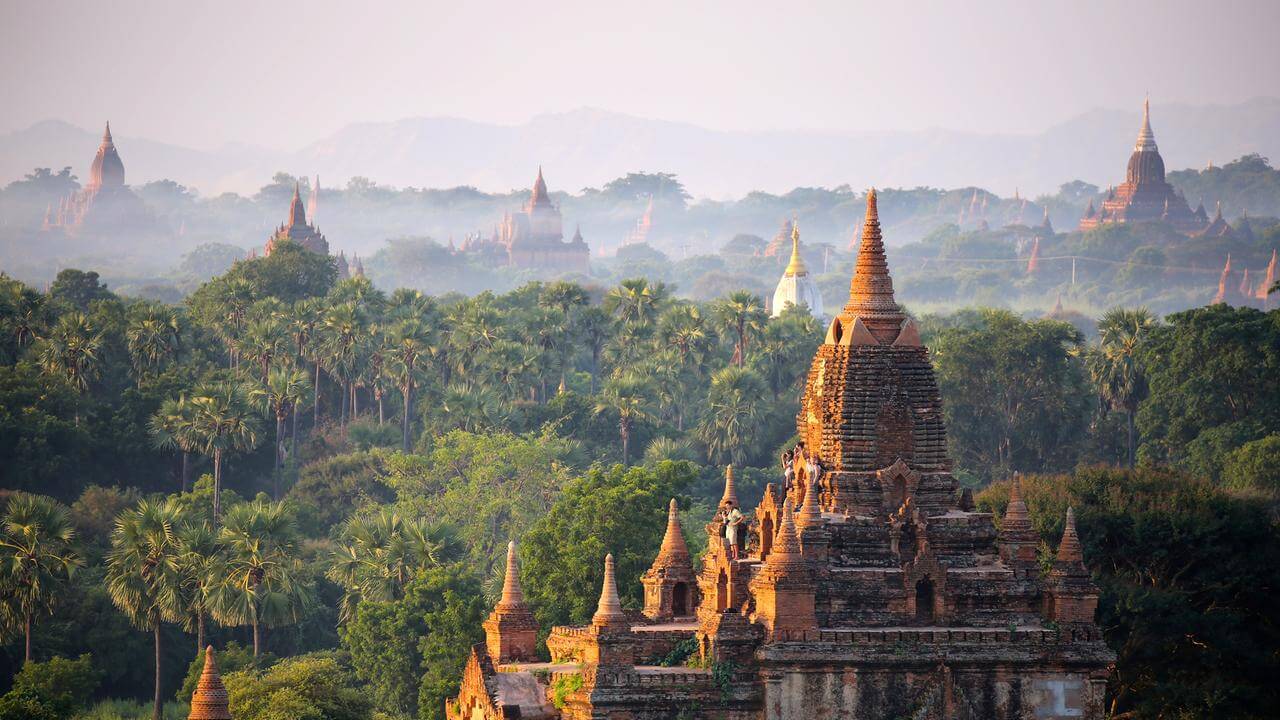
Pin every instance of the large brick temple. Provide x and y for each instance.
(867, 587)
(105, 206)
(1145, 195)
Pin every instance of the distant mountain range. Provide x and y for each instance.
(590, 147)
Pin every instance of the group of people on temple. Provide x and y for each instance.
(801, 469)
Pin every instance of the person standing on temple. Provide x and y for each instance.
(731, 522)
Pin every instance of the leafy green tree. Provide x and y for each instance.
(1115, 366)
(200, 563)
(1015, 394)
(1214, 378)
(616, 509)
(731, 425)
(77, 289)
(378, 554)
(308, 687)
(61, 685)
(23, 316)
(284, 390)
(144, 574)
(744, 313)
(37, 556)
(172, 427)
(223, 421)
(409, 653)
(154, 336)
(261, 583)
(627, 397)
(73, 350)
(1254, 466)
(636, 301)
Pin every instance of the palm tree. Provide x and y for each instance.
(282, 392)
(200, 565)
(744, 313)
(24, 312)
(144, 573)
(263, 341)
(37, 554)
(1115, 366)
(260, 584)
(636, 301)
(343, 331)
(593, 327)
(72, 351)
(409, 340)
(732, 423)
(171, 429)
(469, 407)
(152, 337)
(563, 295)
(304, 326)
(628, 397)
(224, 421)
(378, 555)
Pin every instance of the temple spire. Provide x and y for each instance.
(1069, 551)
(512, 593)
(1146, 138)
(786, 547)
(106, 135)
(673, 544)
(871, 290)
(609, 610)
(796, 266)
(539, 195)
(297, 214)
(730, 497)
(209, 701)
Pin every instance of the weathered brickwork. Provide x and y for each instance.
(865, 585)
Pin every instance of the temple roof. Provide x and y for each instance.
(674, 549)
(539, 195)
(1146, 139)
(107, 169)
(297, 213)
(871, 290)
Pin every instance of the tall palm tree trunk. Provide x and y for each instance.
(279, 451)
(408, 413)
(1132, 434)
(156, 703)
(186, 470)
(293, 440)
(26, 627)
(199, 632)
(217, 486)
(315, 397)
(381, 416)
(257, 634)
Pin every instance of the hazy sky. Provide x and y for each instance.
(283, 74)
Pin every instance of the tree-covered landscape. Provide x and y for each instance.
(319, 477)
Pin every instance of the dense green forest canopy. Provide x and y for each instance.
(328, 474)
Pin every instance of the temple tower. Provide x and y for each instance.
(784, 589)
(1018, 539)
(1071, 596)
(796, 287)
(209, 701)
(669, 583)
(611, 642)
(511, 632)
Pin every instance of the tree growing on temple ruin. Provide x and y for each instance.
(38, 555)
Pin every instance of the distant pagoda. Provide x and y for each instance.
(1145, 195)
(106, 205)
(796, 286)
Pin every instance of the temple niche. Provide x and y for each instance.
(532, 238)
(105, 206)
(1145, 196)
(865, 583)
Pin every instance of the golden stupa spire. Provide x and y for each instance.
(796, 267)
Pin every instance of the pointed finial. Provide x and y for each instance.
(1069, 550)
(512, 593)
(106, 134)
(674, 547)
(871, 289)
(209, 701)
(796, 267)
(609, 610)
(810, 511)
(730, 497)
(1146, 138)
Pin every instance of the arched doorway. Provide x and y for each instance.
(924, 601)
(680, 600)
(722, 592)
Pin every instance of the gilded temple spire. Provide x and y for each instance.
(796, 266)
